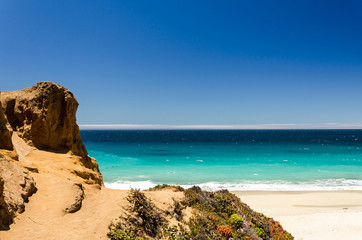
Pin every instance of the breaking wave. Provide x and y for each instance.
(315, 185)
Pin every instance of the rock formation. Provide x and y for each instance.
(5, 136)
(45, 116)
(40, 117)
(16, 185)
(78, 198)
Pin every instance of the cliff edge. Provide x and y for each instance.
(39, 136)
(44, 115)
(5, 135)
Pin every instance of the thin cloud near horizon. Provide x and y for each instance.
(241, 127)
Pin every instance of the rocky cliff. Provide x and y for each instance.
(45, 116)
(42, 117)
(16, 186)
(5, 136)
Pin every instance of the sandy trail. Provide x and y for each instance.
(44, 216)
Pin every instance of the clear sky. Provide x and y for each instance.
(190, 62)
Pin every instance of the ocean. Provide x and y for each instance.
(273, 160)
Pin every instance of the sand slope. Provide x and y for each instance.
(44, 217)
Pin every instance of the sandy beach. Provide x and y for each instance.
(311, 215)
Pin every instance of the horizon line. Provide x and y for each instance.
(219, 127)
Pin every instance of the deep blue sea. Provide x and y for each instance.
(232, 159)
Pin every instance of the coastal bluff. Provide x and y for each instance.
(39, 121)
(51, 189)
(44, 115)
(5, 135)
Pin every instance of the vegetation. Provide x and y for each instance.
(236, 221)
(118, 234)
(145, 221)
(166, 186)
(218, 215)
(221, 215)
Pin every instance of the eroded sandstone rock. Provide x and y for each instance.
(16, 186)
(78, 192)
(40, 117)
(45, 116)
(5, 136)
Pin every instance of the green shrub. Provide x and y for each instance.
(118, 234)
(259, 231)
(165, 186)
(151, 217)
(178, 233)
(236, 221)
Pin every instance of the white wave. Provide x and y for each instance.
(127, 185)
(316, 185)
(143, 176)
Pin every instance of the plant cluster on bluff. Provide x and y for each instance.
(146, 221)
(221, 215)
(217, 215)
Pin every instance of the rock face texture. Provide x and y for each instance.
(16, 186)
(5, 136)
(45, 116)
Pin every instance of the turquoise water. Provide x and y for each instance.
(233, 159)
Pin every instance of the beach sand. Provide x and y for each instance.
(311, 215)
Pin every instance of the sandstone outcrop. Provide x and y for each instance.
(44, 115)
(5, 136)
(16, 186)
(78, 198)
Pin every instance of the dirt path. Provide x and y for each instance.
(44, 217)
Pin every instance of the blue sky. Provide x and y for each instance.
(190, 62)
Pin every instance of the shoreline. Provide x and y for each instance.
(251, 186)
(311, 215)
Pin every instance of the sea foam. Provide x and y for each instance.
(316, 185)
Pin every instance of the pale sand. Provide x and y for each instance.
(311, 215)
